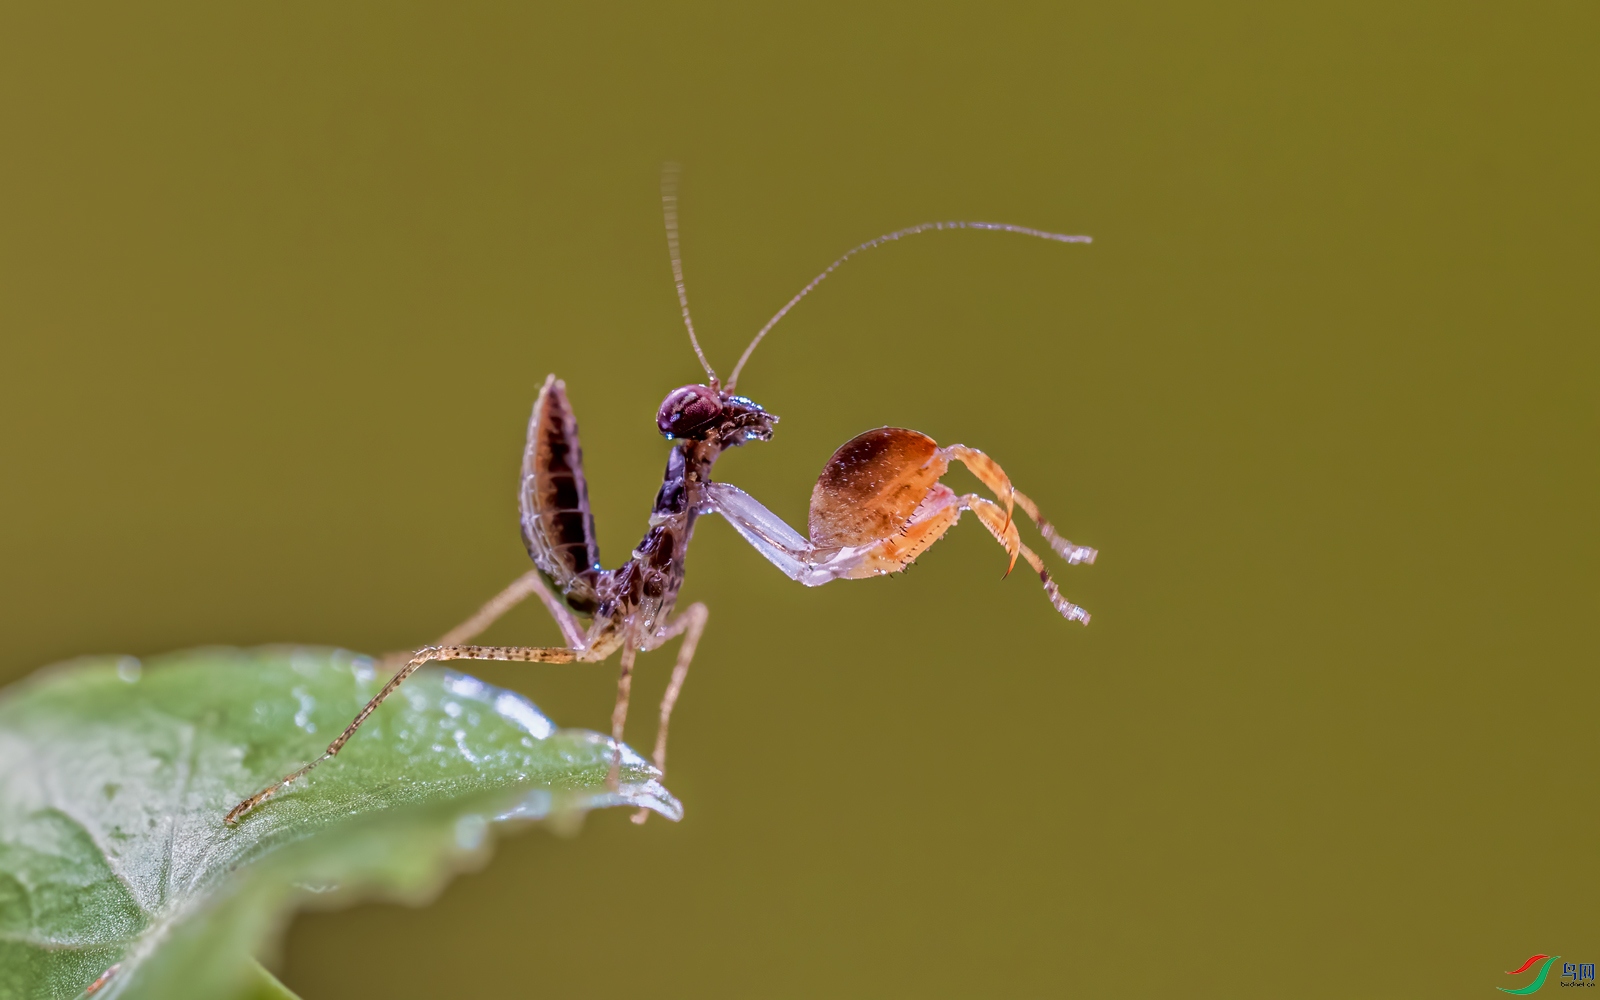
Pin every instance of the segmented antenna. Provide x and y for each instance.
(885, 238)
(669, 214)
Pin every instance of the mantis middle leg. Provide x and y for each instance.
(691, 624)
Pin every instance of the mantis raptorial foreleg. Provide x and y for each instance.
(879, 505)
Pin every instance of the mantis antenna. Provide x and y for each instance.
(885, 238)
(669, 214)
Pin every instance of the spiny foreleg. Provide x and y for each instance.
(1073, 554)
(1004, 531)
(991, 475)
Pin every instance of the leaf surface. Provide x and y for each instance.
(115, 776)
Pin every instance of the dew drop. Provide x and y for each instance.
(470, 831)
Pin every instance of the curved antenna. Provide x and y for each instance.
(669, 215)
(1001, 227)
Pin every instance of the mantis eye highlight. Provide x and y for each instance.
(688, 410)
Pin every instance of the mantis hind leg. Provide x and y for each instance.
(521, 654)
(517, 591)
(528, 584)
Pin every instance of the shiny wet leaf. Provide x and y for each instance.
(115, 776)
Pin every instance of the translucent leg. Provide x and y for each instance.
(522, 654)
(691, 625)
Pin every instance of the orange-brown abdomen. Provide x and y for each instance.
(871, 486)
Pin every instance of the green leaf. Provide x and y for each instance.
(115, 776)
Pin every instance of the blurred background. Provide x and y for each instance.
(279, 284)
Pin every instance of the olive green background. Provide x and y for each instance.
(278, 285)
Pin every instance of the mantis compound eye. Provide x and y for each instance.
(688, 411)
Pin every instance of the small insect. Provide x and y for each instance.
(876, 507)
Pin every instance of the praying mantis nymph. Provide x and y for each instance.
(876, 507)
